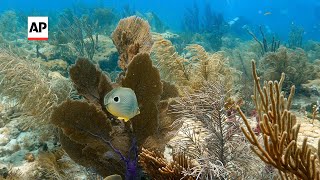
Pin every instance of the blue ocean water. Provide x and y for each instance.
(277, 16)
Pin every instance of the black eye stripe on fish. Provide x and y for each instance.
(116, 99)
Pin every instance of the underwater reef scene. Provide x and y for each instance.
(119, 94)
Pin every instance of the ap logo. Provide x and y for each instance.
(37, 28)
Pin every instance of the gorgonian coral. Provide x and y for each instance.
(131, 36)
(211, 135)
(294, 63)
(157, 167)
(192, 68)
(30, 85)
(279, 132)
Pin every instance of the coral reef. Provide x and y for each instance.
(187, 84)
(107, 145)
(105, 18)
(102, 135)
(158, 167)
(196, 67)
(207, 29)
(169, 91)
(80, 32)
(264, 45)
(191, 19)
(210, 67)
(295, 37)
(280, 132)
(240, 60)
(89, 81)
(27, 83)
(213, 138)
(9, 24)
(56, 65)
(170, 63)
(148, 88)
(293, 63)
(214, 27)
(156, 24)
(131, 36)
(313, 50)
(73, 117)
(51, 165)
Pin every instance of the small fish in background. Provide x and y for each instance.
(233, 21)
(267, 13)
(245, 26)
(122, 103)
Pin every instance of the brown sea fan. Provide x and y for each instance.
(132, 36)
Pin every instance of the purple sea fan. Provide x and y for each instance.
(130, 162)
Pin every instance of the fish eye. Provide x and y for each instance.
(116, 99)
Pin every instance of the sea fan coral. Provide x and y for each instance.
(76, 133)
(86, 125)
(90, 82)
(103, 135)
(148, 87)
(131, 36)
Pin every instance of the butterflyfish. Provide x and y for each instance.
(122, 103)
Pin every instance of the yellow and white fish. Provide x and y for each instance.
(122, 102)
